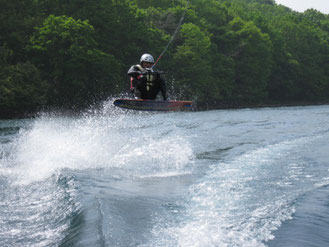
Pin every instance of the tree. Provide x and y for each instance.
(252, 59)
(17, 21)
(308, 51)
(192, 63)
(21, 87)
(67, 53)
(232, 51)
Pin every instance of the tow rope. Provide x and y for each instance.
(173, 36)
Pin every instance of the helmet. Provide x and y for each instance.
(147, 58)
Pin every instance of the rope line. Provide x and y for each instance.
(173, 36)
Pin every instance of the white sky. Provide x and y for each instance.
(302, 5)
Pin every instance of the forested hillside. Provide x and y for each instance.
(74, 53)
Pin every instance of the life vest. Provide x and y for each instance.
(150, 78)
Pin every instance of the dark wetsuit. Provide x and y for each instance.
(146, 83)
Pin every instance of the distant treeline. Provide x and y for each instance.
(74, 53)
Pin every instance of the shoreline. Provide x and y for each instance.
(261, 105)
(202, 107)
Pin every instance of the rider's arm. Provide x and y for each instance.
(134, 71)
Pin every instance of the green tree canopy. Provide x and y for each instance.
(227, 52)
(67, 53)
(21, 86)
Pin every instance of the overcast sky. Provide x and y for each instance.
(302, 5)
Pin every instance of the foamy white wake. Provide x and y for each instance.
(126, 142)
(238, 203)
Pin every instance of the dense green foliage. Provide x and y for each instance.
(73, 53)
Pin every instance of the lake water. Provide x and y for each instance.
(250, 177)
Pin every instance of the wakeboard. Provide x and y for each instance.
(153, 105)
